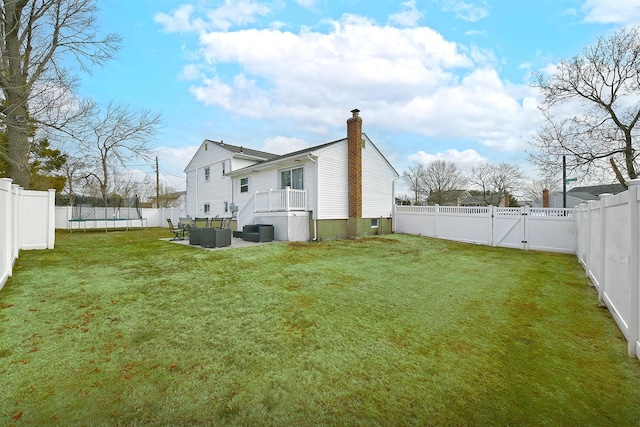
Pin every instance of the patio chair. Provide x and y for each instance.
(216, 223)
(185, 223)
(177, 231)
(201, 222)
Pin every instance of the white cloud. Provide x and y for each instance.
(465, 159)
(283, 145)
(466, 11)
(236, 12)
(191, 72)
(230, 13)
(408, 16)
(179, 21)
(175, 159)
(404, 79)
(307, 4)
(612, 12)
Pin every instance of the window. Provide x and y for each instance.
(292, 178)
(244, 185)
(226, 206)
(374, 223)
(223, 171)
(207, 208)
(207, 173)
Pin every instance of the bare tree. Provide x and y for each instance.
(73, 170)
(109, 141)
(413, 177)
(603, 85)
(496, 181)
(39, 39)
(442, 179)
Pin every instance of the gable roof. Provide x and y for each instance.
(239, 149)
(234, 151)
(582, 195)
(303, 152)
(596, 190)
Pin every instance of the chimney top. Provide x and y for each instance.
(355, 112)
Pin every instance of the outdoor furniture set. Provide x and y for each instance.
(216, 232)
(206, 232)
(258, 233)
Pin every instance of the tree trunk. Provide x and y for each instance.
(19, 168)
(18, 137)
(16, 93)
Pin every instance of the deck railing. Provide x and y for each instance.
(281, 200)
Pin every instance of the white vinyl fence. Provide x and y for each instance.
(609, 250)
(26, 222)
(524, 228)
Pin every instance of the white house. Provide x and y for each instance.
(209, 190)
(343, 188)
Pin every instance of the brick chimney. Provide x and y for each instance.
(545, 198)
(354, 165)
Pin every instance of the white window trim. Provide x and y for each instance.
(291, 169)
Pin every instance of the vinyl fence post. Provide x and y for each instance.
(6, 211)
(634, 266)
(436, 212)
(51, 218)
(493, 211)
(588, 261)
(603, 247)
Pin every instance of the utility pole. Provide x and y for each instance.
(157, 184)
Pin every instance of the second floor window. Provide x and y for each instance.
(207, 173)
(244, 185)
(207, 208)
(292, 178)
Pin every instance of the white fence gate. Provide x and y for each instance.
(522, 228)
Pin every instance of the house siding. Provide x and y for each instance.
(217, 190)
(332, 182)
(377, 183)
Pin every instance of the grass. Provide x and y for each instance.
(125, 329)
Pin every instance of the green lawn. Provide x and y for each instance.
(125, 329)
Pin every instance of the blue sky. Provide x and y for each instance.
(434, 79)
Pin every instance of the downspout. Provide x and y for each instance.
(393, 205)
(195, 207)
(315, 211)
(232, 194)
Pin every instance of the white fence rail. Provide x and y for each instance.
(608, 247)
(26, 222)
(281, 200)
(523, 228)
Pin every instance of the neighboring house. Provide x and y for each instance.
(167, 200)
(579, 195)
(490, 199)
(343, 188)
